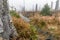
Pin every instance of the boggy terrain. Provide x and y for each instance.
(39, 28)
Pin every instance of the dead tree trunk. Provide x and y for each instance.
(7, 25)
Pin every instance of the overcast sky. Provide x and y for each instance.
(30, 4)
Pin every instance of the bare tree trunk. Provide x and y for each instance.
(8, 27)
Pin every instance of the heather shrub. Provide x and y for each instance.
(25, 30)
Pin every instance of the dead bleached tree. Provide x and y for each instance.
(7, 28)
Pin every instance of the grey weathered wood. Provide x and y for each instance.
(5, 19)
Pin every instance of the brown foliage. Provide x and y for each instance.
(51, 22)
(22, 27)
(18, 22)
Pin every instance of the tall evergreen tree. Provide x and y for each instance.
(46, 10)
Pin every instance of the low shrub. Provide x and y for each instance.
(13, 13)
(25, 30)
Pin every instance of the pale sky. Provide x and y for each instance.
(30, 4)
